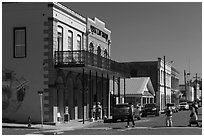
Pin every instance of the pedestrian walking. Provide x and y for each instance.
(195, 105)
(193, 118)
(131, 115)
(98, 111)
(169, 122)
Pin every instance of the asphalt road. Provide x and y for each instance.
(150, 125)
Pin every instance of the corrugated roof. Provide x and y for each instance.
(138, 85)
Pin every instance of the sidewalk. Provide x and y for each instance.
(71, 125)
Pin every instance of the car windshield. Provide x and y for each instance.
(150, 105)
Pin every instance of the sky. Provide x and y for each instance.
(144, 31)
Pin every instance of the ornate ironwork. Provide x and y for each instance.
(82, 57)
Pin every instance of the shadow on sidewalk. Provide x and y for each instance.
(19, 127)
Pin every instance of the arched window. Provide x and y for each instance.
(91, 47)
(99, 51)
(59, 38)
(79, 42)
(105, 53)
(91, 50)
(70, 40)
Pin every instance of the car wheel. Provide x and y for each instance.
(138, 118)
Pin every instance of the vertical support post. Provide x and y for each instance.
(90, 94)
(141, 101)
(102, 94)
(83, 94)
(108, 100)
(41, 106)
(113, 97)
(124, 90)
(96, 87)
(96, 91)
(113, 85)
(118, 89)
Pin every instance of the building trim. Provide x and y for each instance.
(69, 11)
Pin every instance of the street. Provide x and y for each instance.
(149, 125)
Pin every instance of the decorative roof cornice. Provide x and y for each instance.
(67, 11)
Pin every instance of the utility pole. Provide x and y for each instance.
(195, 94)
(118, 89)
(83, 94)
(185, 80)
(164, 81)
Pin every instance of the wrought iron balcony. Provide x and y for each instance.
(82, 58)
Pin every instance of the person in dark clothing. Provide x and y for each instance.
(130, 116)
(195, 105)
(193, 118)
(169, 122)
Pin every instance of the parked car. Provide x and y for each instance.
(150, 109)
(183, 106)
(121, 112)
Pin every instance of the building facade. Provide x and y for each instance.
(139, 90)
(48, 47)
(175, 93)
(187, 92)
(160, 74)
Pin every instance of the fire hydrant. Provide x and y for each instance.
(29, 122)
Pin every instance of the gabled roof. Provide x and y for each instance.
(138, 85)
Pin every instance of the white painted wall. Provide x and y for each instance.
(68, 22)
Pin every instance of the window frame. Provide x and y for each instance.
(14, 42)
(72, 40)
(79, 41)
(61, 37)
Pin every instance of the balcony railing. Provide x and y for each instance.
(84, 58)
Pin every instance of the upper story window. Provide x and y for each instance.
(60, 38)
(79, 42)
(70, 40)
(20, 42)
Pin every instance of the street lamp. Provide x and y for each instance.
(40, 93)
